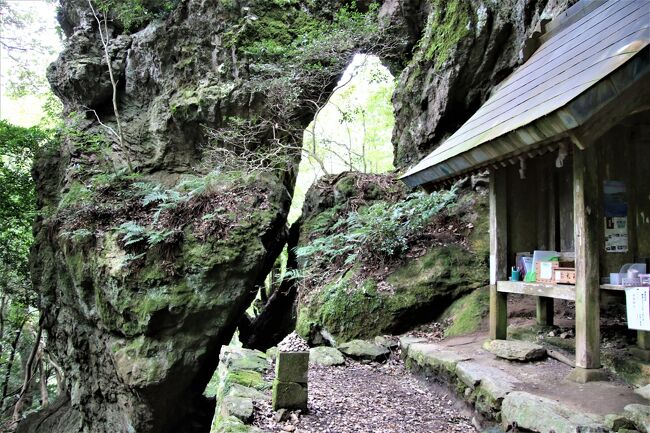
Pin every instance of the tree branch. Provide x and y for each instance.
(104, 36)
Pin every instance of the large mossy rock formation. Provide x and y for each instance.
(145, 257)
(389, 296)
(150, 248)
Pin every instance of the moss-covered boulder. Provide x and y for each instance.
(144, 294)
(365, 350)
(373, 294)
(325, 356)
(467, 314)
(237, 383)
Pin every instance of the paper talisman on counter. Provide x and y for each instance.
(637, 300)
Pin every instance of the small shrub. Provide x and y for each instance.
(382, 228)
(77, 195)
(132, 231)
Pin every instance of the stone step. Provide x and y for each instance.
(499, 396)
(433, 356)
(496, 383)
(325, 356)
(362, 349)
(543, 415)
(515, 350)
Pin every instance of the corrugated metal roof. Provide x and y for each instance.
(565, 67)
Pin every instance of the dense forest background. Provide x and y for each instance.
(29, 123)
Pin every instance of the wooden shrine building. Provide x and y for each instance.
(562, 136)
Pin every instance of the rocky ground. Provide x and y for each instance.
(370, 398)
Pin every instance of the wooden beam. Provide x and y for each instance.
(632, 100)
(545, 290)
(585, 205)
(498, 254)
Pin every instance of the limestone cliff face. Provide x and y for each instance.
(466, 48)
(149, 249)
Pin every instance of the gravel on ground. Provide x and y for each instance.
(369, 398)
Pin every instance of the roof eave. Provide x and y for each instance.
(546, 129)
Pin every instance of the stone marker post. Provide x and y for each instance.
(290, 384)
(291, 369)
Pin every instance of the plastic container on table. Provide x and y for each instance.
(540, 256)
(628, 275)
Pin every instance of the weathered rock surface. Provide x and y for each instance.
(362, 349)
(496, 382)
(237, 383)
(388, 341)
(239, 407)
(515, 350)
(617, 422)
(644, 391)
(542, 415)
(406, 341)
(640, 415)
(466, 49)
(435, 358)
(325, 356)
(484, 386)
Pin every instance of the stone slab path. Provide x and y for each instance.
(370, 398)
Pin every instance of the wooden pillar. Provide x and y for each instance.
(643, 340)
(546, 233)
(545, 311)
(498, 254)
(642, 349)
(585, 206)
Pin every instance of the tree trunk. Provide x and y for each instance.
(42, 367)
(10, 362)
(36, 350)
(277, 317)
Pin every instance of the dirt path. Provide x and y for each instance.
(371, 398)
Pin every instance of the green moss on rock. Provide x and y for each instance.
(467, 313)
(418, 290)
(448, 23)
(248, 378)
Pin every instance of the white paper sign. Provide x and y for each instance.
(616, 238)
(546, 270)
(637, 301)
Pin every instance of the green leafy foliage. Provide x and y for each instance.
(133, 14)
(292, 34)
(17, 200)
(132, 232)
(18, 301)
(383, 229)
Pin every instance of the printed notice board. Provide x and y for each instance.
(637, 300)
(616, 237)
